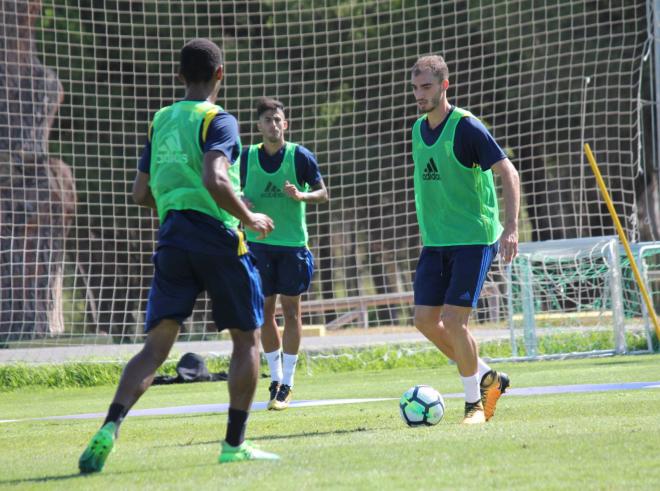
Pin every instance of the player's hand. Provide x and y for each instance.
(260, 223)
(247, 202)
(292, 192)
(509, 243)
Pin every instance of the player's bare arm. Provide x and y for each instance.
(511, 195)
(142, 192)
(216, 180)
(318, 194)
(247, 202)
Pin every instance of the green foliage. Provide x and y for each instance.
(588, 341)
(65, 375)
(374, 358)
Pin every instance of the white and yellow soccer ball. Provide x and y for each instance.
(421, 405)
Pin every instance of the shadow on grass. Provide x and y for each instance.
(40, 479)
(307, 434)
(66, 477)
(274, 437)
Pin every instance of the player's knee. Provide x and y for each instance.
(425, 323)
(290, 316)
(156, 354)
(423, 326)
(160, 340)
(245, 340)
(454, 322)
(290, 311)
(270, 305)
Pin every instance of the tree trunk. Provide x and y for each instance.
(649, 211)
(37, 193)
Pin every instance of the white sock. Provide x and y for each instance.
(471, 387)
(483, 368)
(289, 365)
(274, 360)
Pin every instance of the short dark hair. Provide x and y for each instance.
(200, 58)
(434, 64)
(267, 104)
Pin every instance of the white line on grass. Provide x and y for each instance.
(260, 406)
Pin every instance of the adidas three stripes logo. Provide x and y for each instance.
(271, 191)
(431, 172)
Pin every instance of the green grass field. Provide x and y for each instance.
(602, 440)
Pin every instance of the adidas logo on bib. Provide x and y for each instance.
(431, 172)
(271, 191)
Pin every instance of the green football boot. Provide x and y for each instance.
(245, 451)
(94, 457)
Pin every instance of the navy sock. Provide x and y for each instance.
(116, 414)
(236, 423)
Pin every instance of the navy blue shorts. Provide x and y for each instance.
(232, 283)
(285, 272)
(452, 275)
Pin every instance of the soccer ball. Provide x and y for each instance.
(421, 405)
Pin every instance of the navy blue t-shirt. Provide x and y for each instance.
(473, 143)
(191, 230)
(307, 168)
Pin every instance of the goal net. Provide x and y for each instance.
(80, 81)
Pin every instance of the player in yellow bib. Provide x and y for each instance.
(455, 158)
(279, 178)
(188, 174)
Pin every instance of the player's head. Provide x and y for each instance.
(271, 120)
(430, 80)
(201, 63)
